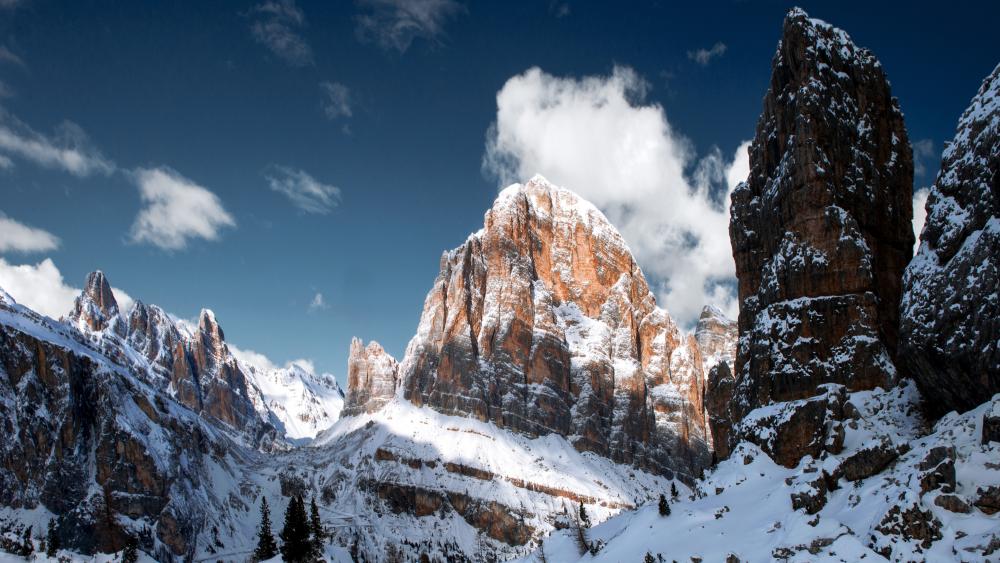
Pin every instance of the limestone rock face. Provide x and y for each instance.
(542, 322)
(716, 336)
(372, 378)
(96, 307)
(951, 310)
(821, 231)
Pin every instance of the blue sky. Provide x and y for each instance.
(337, 148)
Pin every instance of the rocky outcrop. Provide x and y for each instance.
(96, 308)
(372, 378)
(821, 231)
(716, 336)
(951, 311)
(542, 322)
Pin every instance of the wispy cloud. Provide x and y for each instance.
(318, 303)
(18, 237)
(394, 24)
(176, 210)
(307, 193)
(276, 25)
(559, 9)
(69, 149)
(923, 152)
(8, 56)
(705, 56)
(336, 100)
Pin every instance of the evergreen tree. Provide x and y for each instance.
(266, 546)
(673, 491)
(316, 528)
(584, 518)
(649, 558)
(664, 506)
(131, 552)
(27, 546)
(51, 540)
(296, 546)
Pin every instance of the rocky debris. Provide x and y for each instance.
(372, 378)
(821, 231)
(909, 523)
(950, 329)
(869, 461)
(991, 422)
(988, 499)
(96, 308)
(792, 430)
(938, 470)
(810, 496)
(716, 336)
(953, 503)
(542, 323)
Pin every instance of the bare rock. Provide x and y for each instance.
(988, 499)
(372, 378)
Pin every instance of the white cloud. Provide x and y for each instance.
(41, 287)
(264, 364)
(394, 24)
(18, 237)
(705, 56)
(6, 163)
(922, 151)
(336, 100)
(69, 149)
(303, 190)
(176, 210)
(597, 137)
(276, 27)
(318, 303)
(919, 214)
(8, 56)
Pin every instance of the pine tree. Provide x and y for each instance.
(266, 546)
(649, 558)
(316, 529)
(584, 518)
(51, 540)
(664, 506)
(131, 552)
(673, 491)
(27, 546)
(296, 546)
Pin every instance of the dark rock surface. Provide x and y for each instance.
(951, 309)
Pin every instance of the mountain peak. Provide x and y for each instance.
(96, 307)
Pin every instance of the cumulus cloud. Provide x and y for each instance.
(919, 214)
(307, 193)
(923, 153)
(18, 237)
(69, 149)
(276, 26)
(41, 287)
(598, 137)
(318, 303)
(261, 363)
(394, 24)
(336, 100)
(176, 210)
(705, 56)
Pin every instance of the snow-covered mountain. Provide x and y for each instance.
(303, 402)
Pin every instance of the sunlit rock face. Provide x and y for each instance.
(951, 309)
(821, 231)
(372, 377)
(96, 308)
(542, 322)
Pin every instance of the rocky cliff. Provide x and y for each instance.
(821, 230)
(542, 322)
(951, 310)
(372, 378)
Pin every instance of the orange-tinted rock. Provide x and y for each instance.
(372, 377)
(542, 322)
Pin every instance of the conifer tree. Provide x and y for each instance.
(131, 552)
(266, 546)
(664, 506)
(584, 518)
(649, 558)
(296, 546)
(51, 540)
(673, 490)
(27, 546)
(316, 528)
